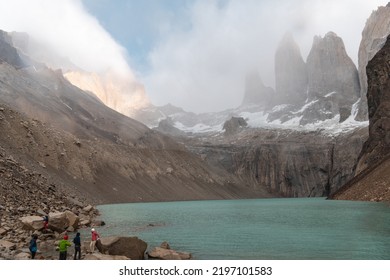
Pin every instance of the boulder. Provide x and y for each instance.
(168, 254)
(3, 231)
(88, 208)
(32, 222)
(61, 221)
(100, 256)
(22, 256)
(131, 247)
(73, 219)
(7, 245)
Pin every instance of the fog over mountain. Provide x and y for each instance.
(199, 59)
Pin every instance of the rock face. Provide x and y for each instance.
(287, 163)
(121, 94)
(8, 53)
(290, 73)
(377, 146)
(332, 73)
(256, 92)
(374, 35)
(372, 179)
(326, 86)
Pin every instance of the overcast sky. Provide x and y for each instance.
(191, 53)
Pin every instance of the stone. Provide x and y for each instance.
(22, 256)
(165, 245)
(61, 221)
(32, 222)
(99, 256)
(7, 245)
(131, 247)
(88, 208)
(168, 254)
(3, 231)
(73, 219)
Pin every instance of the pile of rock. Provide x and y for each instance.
(26, 197)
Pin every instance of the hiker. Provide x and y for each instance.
(77, 246)
(95, 237)
(63, 245)
(46, 223)
(33, 245)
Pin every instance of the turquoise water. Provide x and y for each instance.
(287, 229)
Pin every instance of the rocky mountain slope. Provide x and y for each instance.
(98, 151)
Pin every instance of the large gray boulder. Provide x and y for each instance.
(61, 221)
(131, 247)
(168, 254)
(32, 222)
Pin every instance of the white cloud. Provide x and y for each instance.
(202, 68)
(67, 28)
(200, 58)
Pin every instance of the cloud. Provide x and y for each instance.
(201, 49)
(68, 29)
(202, 67)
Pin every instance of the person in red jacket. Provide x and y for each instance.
(95, 237)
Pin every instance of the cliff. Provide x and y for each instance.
(374, 35)
(372, 178)
(285, 163)
(377, 146)
(290, 73)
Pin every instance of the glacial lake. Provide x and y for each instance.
(281, 229)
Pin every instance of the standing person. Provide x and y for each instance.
(95, 237)
(46, 223)
(63, 245)
(77, 246)
(33, 245)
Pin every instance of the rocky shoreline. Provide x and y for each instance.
(28, 196)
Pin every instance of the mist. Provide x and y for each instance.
(202, 67)
(198, 58)
(67, 29)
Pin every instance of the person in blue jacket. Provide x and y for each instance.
(77, 246)
(33, 246)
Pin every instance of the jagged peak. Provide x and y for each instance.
(288, 41)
